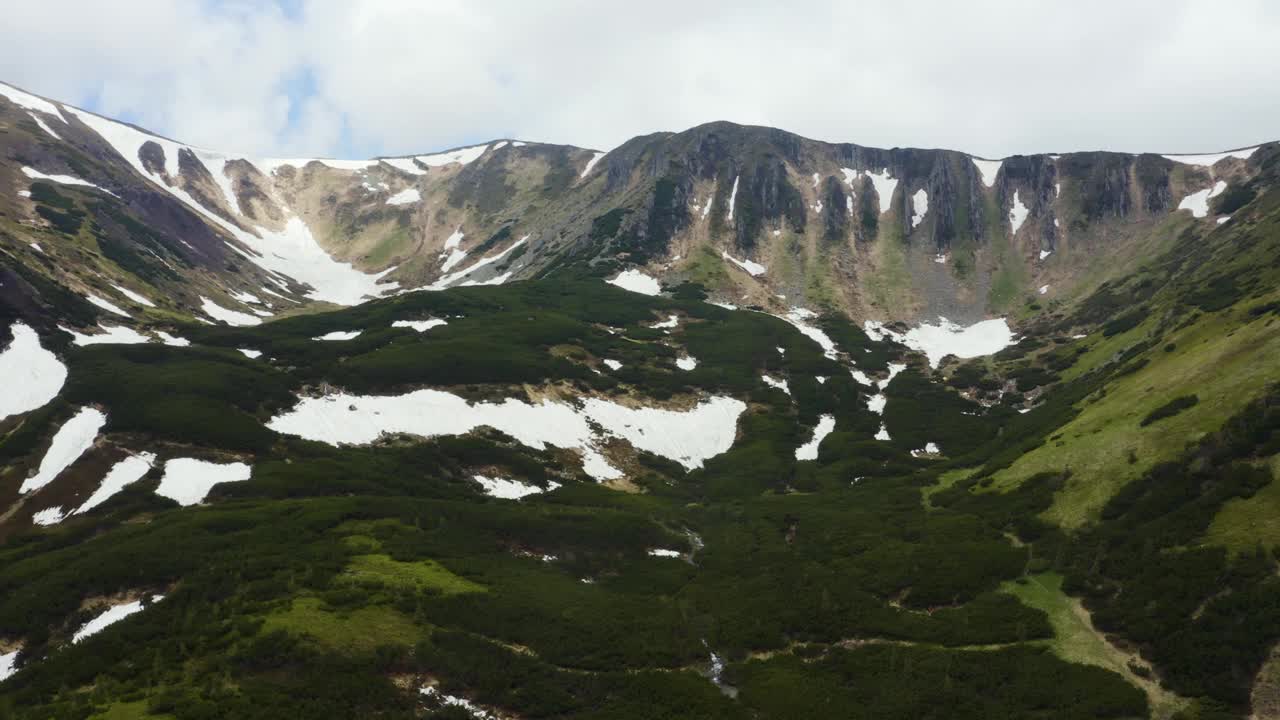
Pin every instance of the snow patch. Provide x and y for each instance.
(172, 340)
(111, 616)
(405, 197)
(109, 307)
(420, 325)
(29, 101)
(8, 661)
(592, 163)
(251, 354)
(230, 317)
(339, 335)
(1198, 202)
(756, 269)
(48, 516)
(32, 375)
(688, 437)
(989, 169)
(809, 450)
(110, 335)
(1017, 213)
(43, 126)
(947, 338)
(885, 186)
(798, 317)
(919, 206)
(663, 552)
(687, 362)
(612, 364)
(636, 282)
(136, 297)
(511, 489)
(1045, 253)
(63, 180)
(69, 443)
(733, 195)
(1044, 289)
(882, 433)
(461, 156)
(774, 382)
(123, 473)
(1211, 159)
(448, 280)
(187, 480)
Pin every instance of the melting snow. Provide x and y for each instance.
(776, 383)
(48, 516)
(293, 252)
(447, 280)
(476, 712)
(1198, 202)
(797, 317)
(636, 282)
(188, 481)
(670, 322)
(109, 307)
(8, 661)
(420, 325)
(40, 121)
(809, 450)
(947, 338)
(733, 195)
(884, 185)
(110, 616)
(63, 180)
(688, 437)
(136, 297)
(340, 335)
(230, 317)
(989, 169)
(688, 362)
(32, 375)
(125, 472)
(1017, 213)
(919, 206)
(69, 443)
(592, 163)
(510, 489)
(754, 268)
(405, 197)
(173, 340)
(110, 335)
(1211, 159)
(461, 156)
(29, 101)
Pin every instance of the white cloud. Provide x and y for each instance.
(401, 76)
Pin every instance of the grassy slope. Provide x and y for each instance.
(1076, 639)
(1245, 524)
(1225, 372)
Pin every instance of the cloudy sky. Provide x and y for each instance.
(356, 78)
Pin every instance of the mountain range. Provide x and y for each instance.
(719, 423)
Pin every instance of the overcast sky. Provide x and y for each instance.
(356, 78)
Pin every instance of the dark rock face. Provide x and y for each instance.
(253, 203)
(835, 214)
(152, 157)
